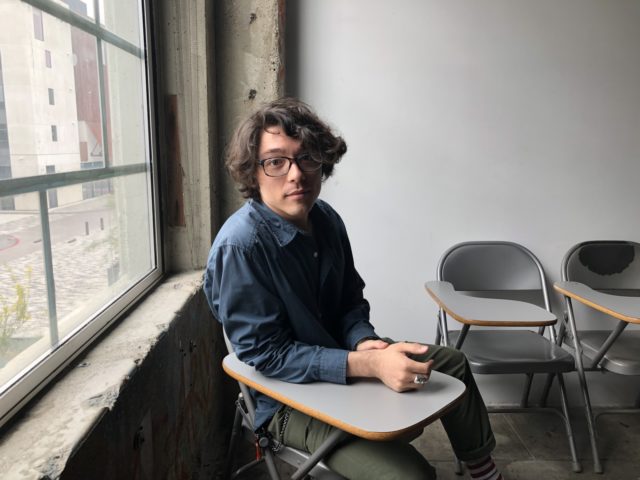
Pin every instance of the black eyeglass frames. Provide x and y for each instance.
(279, 166)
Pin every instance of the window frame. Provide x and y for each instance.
(43, 370)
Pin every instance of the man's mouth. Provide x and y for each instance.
(297, 193)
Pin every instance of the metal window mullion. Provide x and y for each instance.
(150, 94)
(17, 186)
(103, 102)
(48, 267)
(85, 25)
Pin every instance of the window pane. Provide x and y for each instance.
(88, 101)
(76, 129)
(100, 247)
(24, 316)
(121, 17)
(26, 80)
(126, 106)
(38, 31)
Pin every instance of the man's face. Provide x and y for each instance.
(292, 195)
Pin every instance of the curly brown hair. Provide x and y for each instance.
(298, 121)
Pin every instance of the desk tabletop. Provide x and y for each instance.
(487, 311)
(365, 407)
(620, 307)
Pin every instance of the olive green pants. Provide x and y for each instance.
(467, 426)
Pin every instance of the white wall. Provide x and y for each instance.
(500, 119)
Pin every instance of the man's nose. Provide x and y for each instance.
(295, 172)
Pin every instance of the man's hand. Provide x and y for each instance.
(390, 364)
(372, 345)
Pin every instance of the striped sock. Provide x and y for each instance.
(484, 469)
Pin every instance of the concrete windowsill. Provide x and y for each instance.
(39, 443)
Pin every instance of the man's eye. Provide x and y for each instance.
(276, 162)
(308, 161)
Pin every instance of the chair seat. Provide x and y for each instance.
(513, 351)
(622, 357)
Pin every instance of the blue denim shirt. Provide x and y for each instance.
(291, 303)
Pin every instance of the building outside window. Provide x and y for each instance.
(78, 210)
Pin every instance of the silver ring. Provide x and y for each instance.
(421, 379)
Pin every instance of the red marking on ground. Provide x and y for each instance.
(12, 242)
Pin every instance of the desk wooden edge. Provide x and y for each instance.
(486, 323)
(595, 306)
(368, 435)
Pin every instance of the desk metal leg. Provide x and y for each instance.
(271, 464)
(332, 440)
(597, 465)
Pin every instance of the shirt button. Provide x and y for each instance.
(315, 254)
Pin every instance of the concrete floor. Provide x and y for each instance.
(533, 446)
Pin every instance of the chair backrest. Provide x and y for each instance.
(493, 268)
(609, 265)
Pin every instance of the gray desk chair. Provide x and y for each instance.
(605, 276)
(502, 284)
(243, 426)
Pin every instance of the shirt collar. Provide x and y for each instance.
(283, 230)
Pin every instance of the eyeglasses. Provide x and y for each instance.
(279, 166)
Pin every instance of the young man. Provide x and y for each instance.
(281, 279)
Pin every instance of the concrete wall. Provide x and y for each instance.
(250, 68)
(514, 120)
(186, 137)
(173, 417)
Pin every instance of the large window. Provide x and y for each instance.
(78, 215)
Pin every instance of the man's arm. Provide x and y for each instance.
(239, 291)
